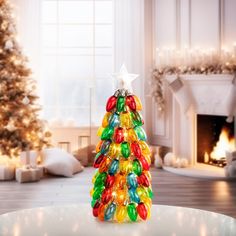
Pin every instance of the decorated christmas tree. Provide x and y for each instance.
(20, 128)
(122, 184)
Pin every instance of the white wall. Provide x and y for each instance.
(203, 23)
(129, 39)
(165, 23)
(229, 29)
(188, 23)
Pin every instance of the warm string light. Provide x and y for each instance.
(4, 160)
(189, 61)
(169, 57)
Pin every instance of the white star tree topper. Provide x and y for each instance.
(125, 79)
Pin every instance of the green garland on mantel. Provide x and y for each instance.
(158, 75)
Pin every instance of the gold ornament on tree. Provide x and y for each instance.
(8, 45)
(10, 127)
(25, 100)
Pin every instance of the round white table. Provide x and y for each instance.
(78, 220)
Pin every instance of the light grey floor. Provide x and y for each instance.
(48, 191)
(169, 189)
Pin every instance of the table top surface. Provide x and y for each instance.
(78, 220)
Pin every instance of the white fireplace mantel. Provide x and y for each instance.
(207, 94)
(212, 94)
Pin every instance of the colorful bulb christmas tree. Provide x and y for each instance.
(122, 184)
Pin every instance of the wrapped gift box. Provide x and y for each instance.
(24, 175)
(7, 172)
(41, 171)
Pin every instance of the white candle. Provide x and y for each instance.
(178, 58)
(206, 157)
(204, 57)
(197, 55)
(211, 55)
(160, 60)
(157, 57)
(33, 158)
(23, 158)
(224, 54)
(167, 57)
(29, 158)
(171, 57)
(190, 58)
(234, 49)
(185, 56)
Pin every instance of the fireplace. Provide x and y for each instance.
(215, 136)
(202, 97)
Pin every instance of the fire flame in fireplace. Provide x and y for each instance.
(224, 144)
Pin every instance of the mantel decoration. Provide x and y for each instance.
(197, 61)
(122, 184)
(20, 127)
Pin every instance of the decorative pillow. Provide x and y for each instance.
(59, 162)
(85, 155)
